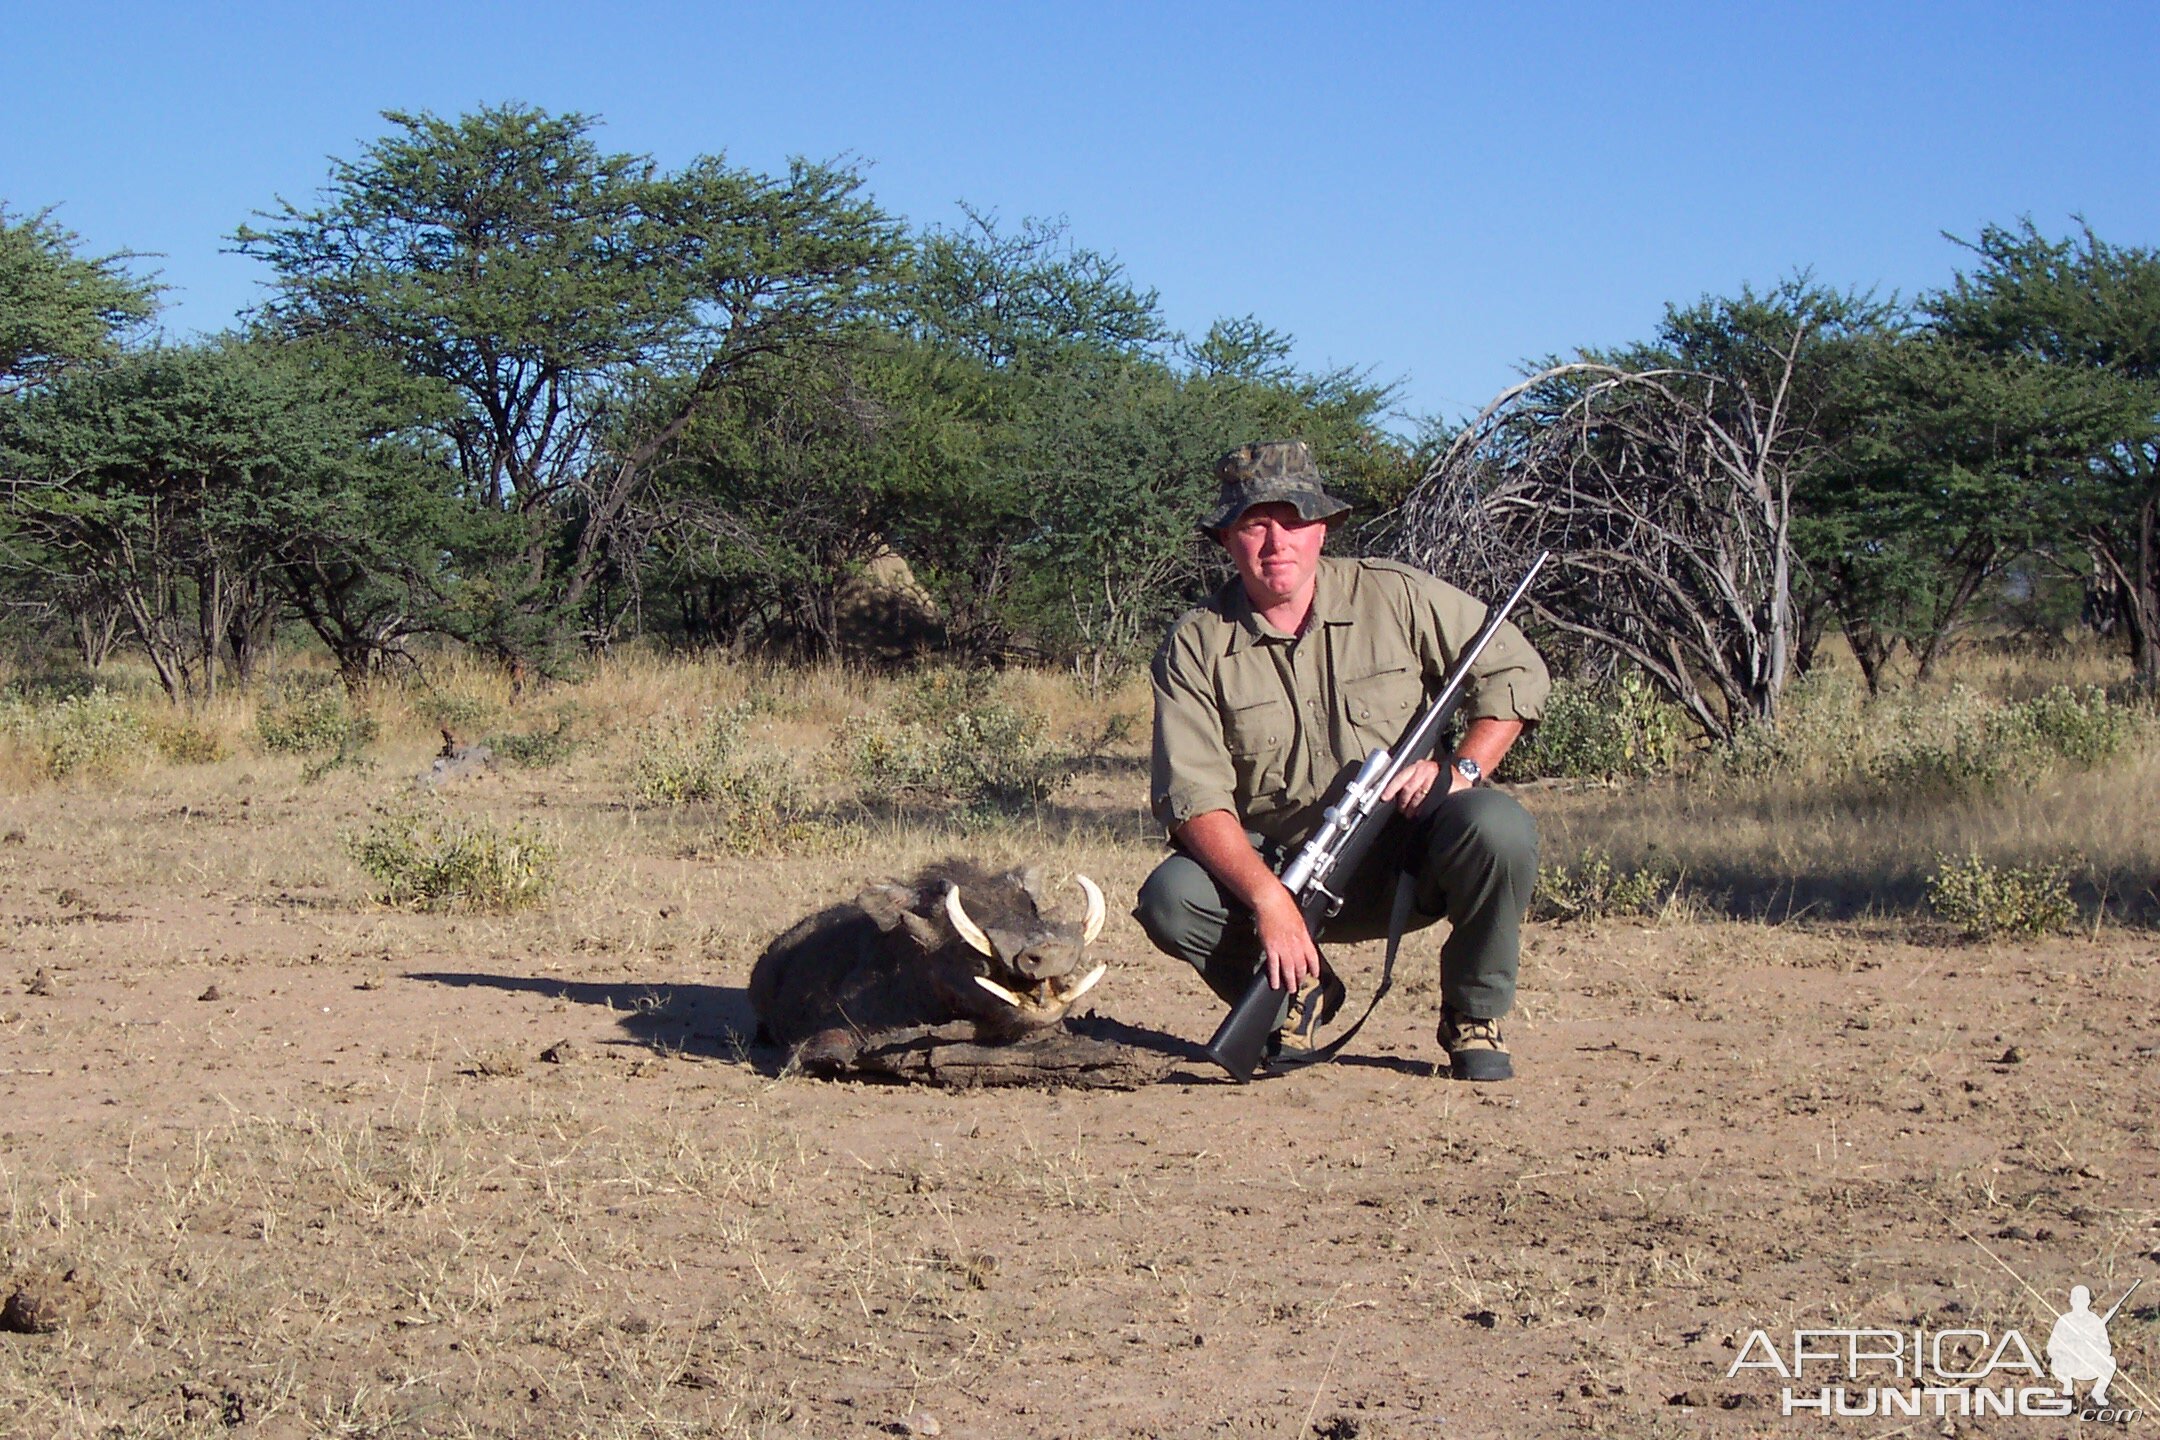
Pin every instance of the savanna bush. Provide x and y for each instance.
(2083, 727)
(683, 759)
(761, 804)
(1970, 743)
(1985, 901)
(428, 858)
(311, 714)
(1594, 888)
(1821, 733)
(539, 749)
(93, 732)
(183, 739)
(1617, 730)
(1951, 742)
(953, 739)
(455, 710)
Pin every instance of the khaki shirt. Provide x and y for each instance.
(1264, 725)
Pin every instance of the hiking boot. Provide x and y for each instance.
(1474, 1048)
(1298, 1041)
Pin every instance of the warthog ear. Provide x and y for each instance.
(1031, 883)
(892, 907)
(886, 904)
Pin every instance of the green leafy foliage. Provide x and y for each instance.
(581, 307)
(1593, 889)
(88, 734)
(1981, 745)
(540, 749)
(681, 760)
(59, 309)
(954, 741)
(184, 739)
(1987, 901)
(1618, 730)
(2083, 727)
(428, 858)
(311, 714)
(2089, 312)
(760, 803)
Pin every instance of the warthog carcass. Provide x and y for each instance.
(959, 951)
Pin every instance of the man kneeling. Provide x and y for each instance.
(1267, 698)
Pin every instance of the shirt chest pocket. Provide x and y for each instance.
(1377, 707)
(1258, 735)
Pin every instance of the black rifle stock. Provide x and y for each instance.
(1348, 830)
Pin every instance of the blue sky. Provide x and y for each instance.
(1432, 192)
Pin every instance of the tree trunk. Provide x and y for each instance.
(250, 630)
(949, 1055)
(2145, 598)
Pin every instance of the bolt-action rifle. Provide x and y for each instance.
(1325, 864)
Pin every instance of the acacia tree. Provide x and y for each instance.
(1954, 466)
(783, 491)
(2091, 310)
(59, 308)
(183, 483)
(583, 306)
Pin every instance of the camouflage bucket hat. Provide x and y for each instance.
(1271, 470)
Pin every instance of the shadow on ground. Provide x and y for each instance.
(716, 1022)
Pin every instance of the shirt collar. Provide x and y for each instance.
(1331, 606)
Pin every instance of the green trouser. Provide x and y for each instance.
(1474, 861)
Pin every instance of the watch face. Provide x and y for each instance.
(1469, 769)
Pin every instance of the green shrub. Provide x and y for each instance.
(187, 740)
(680, 761)
(937, 693)
(310, 714)
(91, 733)
(2084, 727)
(1821, 731)
(429, 859)
(1959, 764)
(1592, 889)
(760, 802)
(763, 809)
(1985, 900)
(449, 710)
(1600, 732)
(986, 756)
(1966, 743)
(539, 749)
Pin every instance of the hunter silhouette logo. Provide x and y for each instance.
(1961, 1371)
(2078, 1346)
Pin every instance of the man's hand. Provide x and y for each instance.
(1414, 785)
(1217, 841)
(1286, 941)
(1485, 741)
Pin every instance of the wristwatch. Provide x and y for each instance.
(1469, 769)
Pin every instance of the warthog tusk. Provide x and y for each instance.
(1002, 993)
(1085, 985)
(1092, 926)
(969, 930)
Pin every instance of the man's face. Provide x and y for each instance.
(1276, 551)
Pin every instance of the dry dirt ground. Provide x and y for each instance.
(322, 1168)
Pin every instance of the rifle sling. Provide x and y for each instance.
(1398, 921)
